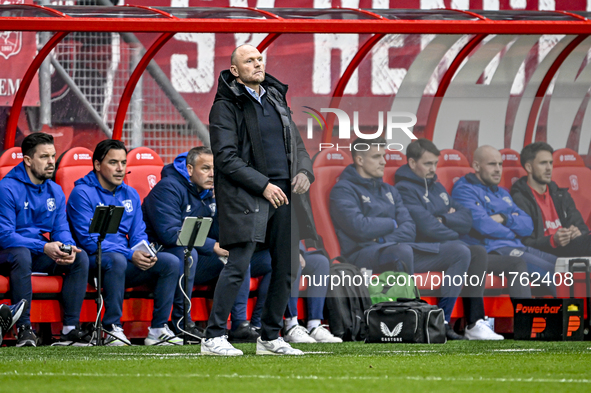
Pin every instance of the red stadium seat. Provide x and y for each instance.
(9, 159)
(452, 165)
(512, 169)
(72, 165)
(394, 160)
(143, 170)
(570, 172)
(328, 165)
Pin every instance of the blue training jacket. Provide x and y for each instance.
(427, 200)
(369, 215)
(484, 201)
(28, 210)
(173, 199)
(86, 196)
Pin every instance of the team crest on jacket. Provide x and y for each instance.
(212, 207)
(128, 205)
(508, 200)
(390, 197)
(445, 198)
(51, 204)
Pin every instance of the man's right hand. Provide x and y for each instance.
(562, 237)
(52, 250)
(143, 260)
(220, 252)
(498, 218)
(275, 195)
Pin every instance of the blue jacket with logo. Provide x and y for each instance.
(484, 201)
(86, 196)
(172, 200)
(28, 210)
(369, 215)
(427, 200)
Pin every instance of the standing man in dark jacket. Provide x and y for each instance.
(559, 228)
(260, 160)
(31, 206)
(186, 190)
(375, 230)
(440, 218)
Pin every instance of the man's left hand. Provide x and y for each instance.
(300, 183)
(574, 232)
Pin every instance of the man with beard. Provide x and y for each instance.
(31, 207)
(559, 228)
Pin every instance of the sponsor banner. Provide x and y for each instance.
(17, 51)
(549, 319)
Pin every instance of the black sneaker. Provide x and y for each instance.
(76, 338)
(26, 337)
(10, 314)
(245, 333)
(451, 334)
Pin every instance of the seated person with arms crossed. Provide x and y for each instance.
(186, 190)
(32, 205)
(122, 267)
(497, 222)
(376, 231)
(559, 228)
(440, 218)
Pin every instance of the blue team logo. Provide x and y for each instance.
(128, 205)
(51, 204)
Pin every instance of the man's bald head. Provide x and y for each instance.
(238, 49)
(488, 165)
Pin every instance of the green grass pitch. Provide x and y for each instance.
(468, 366)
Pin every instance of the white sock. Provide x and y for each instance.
(290, 322)
(312, 324)
(67, 329)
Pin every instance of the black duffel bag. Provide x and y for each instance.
(405, 321)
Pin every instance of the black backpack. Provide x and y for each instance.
(345, 305)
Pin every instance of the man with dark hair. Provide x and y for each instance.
(497, 222)
(33, 206)
(260, 160)
(375, 230)
(559, 228)
(186, 190)
(122, 266)
(440, 218)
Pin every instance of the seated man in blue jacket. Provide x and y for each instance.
(31, 206)
(376, 231)
(497, 222)
(440, 218)
(186, 190)
(121, 266)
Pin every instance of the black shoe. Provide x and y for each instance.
(10, 314)
(451, 334)
(194, 334)
(26, 337)
(76, 338)
(245, 333)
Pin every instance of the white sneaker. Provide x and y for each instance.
(116, 337)
(481, 331)
(276, 347)
(219, 346)
(298, 334)
(322, 335)
(162, 336)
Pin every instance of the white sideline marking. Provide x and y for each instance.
(315, 377)
(518, 350)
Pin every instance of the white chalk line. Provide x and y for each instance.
(300, 377)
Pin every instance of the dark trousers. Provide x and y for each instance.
(19, 262)
(282, 241)
(506, 264)
(578, 247)
(119, 273)
(537, 262)
(454, 258)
